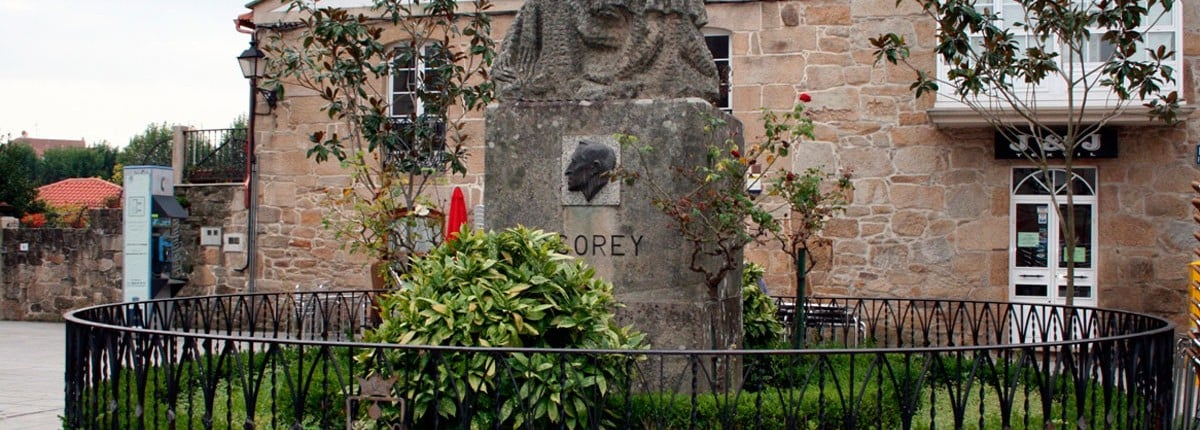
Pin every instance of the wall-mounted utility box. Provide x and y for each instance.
(210, 236)
(235, 242)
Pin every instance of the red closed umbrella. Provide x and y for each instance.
(458, 214)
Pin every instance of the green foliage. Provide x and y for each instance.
(815, 395)
(515, 288)
(18, 169)
(286, 387)
(71, 162)
(760, 323)
(344, 59)
(151, 147)
(761, 329)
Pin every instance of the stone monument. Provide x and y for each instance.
(571, 76)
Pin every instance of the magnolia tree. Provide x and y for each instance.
(1096, 52)
(401, 80)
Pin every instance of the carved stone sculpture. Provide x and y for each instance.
(606, 49)
(588, 170)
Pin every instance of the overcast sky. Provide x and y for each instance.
(102, 70)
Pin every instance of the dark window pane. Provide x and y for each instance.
(1085, 181)
(402, 105)
(1031, 290)
(718, 45)
(1083, 238)
(1081, 291)
(723, 76)
(1032, 224)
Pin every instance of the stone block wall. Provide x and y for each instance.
(48, 272)
(210, 270)
(930, 213)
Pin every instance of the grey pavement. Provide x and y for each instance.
(32, 364)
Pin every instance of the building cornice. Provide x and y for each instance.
(961, 116)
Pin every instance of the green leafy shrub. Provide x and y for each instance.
(819, 399)
(761, 329)
(760, 322)
(515, 288)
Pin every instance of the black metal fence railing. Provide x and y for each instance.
(214, 156)
(299, 361)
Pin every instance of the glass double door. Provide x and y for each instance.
(1039, 254)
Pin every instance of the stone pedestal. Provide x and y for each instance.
(619, 232)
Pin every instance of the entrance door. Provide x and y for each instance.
(1038, 254)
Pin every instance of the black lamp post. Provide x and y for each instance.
(253, 68)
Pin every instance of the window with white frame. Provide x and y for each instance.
(1158, 29)
(718, 42)
(414, 81)
(416, 108)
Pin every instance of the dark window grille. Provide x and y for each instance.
(418, 146)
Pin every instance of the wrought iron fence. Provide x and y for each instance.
(299, 360)
(214, 156)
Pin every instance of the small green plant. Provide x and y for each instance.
(760, 321)
(816, 395)
(515, 288)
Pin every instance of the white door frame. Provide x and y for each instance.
(1047, 285)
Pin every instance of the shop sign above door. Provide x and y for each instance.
(1102, 144)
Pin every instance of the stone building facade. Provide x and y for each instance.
(933, 213)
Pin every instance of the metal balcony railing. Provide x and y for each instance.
(214, 156)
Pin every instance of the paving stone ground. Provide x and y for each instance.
(31, 375)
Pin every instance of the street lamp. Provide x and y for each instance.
(253, 68)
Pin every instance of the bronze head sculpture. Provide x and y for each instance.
(588, 171)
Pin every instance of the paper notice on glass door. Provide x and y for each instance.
(1027, 239)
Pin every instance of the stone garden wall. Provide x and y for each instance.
(48, 271)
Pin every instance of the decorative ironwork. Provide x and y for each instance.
(296, 360)
(415, 146)
(214, 156)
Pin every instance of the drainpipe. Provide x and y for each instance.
(252, 188)
(251, 194)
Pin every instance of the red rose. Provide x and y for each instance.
(735, 153)
(804, 97)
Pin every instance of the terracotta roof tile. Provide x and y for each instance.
(89, 192)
